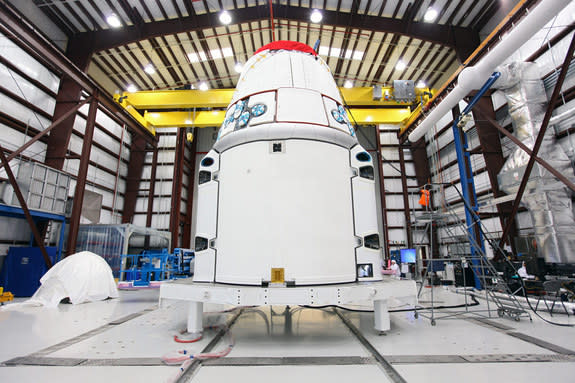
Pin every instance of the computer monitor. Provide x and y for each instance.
(407, 255)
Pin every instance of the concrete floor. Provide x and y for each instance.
(123, 340)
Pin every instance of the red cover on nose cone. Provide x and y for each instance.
(287, 45)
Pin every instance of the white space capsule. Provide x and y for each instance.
(287, 194)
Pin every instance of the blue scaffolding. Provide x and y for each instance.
(466, 178)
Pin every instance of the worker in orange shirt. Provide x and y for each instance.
(424, 199)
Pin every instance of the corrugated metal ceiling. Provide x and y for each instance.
(200, 48)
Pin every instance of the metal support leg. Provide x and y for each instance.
(381, 317)
(195, 317)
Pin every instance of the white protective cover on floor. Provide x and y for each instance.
(82, 277)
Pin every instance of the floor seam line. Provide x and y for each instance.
(86, 335)
(387, 367)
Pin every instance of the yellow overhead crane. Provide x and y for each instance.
(365, 110)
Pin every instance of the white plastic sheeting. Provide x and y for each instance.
(81, 277)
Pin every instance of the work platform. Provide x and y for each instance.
(198, 293)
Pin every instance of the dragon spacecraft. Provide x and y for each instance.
(287, 193)
(286, 211)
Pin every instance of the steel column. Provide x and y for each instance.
(468, 190)
(82, 174)
(540, 136)
(69, 94)
(493, 155)
(466, 175)
(175, 214)
(135, 167)
(152, 189)
(379, 158)
(406, 207)
(187, 234)
(419, 155)
(24, 206)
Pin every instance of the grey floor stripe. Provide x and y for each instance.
(382, 361)
(527, 338)
(415, 359)
(295, 361)
(43, 361)
(91, 333)
(491, 323)
(290, 361)
(480, 358)
(124, 362)
(542, 343)
(196, 364)
(79, 338)
(79, 362)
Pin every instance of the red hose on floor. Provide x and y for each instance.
(176, 339)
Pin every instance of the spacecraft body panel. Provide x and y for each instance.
(286, 186)
(275, 213)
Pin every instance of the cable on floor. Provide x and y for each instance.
(185, 357)
(475, 303)
(535, 311)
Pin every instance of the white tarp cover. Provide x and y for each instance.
(81, 277)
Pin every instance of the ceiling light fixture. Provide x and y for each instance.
(203, 86)
(316, 16)
(114, 21)
(131, 88)
(400, 65)
(149, 69)
(430, 15)
(348, 84)
(421, 85)
(225, 17)
(239, 67)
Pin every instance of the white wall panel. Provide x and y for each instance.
(395, 218)
(482, 182)
(12, 139)
(393, 185)
(397, 236)
(166, 157)
(164, 172)
(139, 220)
(390, 154)
(106, 140)
(167, 141)
(492, 225)
(390, 171)
(409, 169)
(163, 188)
(27, 64)
(23, 114)
(146, 172)
(389, 138)
(103, 159)
(394, 201)
(161, 221)
(22, 88)
(411, 183)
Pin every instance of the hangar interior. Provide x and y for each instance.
(280, 190)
